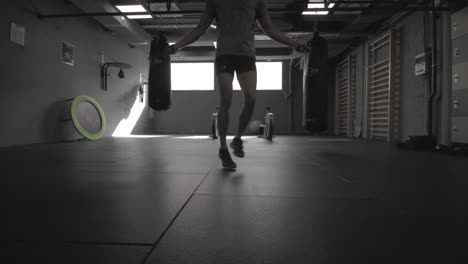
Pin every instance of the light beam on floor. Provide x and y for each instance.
(208, 137)
(126, 125)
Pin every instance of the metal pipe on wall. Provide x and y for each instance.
(430, 109)
(437, 107)
(446, 103)
(289, 96)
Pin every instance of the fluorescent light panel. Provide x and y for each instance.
(131, 8)
(134, 9)
(139, 16)
(318, 13)
(316, 5)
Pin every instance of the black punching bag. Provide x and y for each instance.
(315, 86)
(159, 81)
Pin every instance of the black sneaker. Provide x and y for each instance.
(225, 157)
(237, 146)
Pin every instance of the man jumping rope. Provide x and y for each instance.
(235, 21)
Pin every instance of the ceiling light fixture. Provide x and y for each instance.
(139, 16)
(317, 4)
(315, 13)
(134, 9)
(130, 8)
(311, 6)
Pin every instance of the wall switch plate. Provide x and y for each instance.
(422, 63)
(17, 34)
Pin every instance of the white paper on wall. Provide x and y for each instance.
(17, 34)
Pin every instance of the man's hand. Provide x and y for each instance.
(299, 47)
(169, 50)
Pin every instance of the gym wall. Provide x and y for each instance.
(411, 90)
(34, 81)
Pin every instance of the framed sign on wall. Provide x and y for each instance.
(68, 54)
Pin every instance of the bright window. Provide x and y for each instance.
(192, 76)
(269, 76)
(200, 76)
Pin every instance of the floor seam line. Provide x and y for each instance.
(51, 242)
(286, 197)
(145, 259)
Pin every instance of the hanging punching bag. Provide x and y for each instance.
(159, 81)
(315, 86)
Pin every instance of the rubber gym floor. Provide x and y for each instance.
(293, 200)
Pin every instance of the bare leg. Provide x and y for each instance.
(225, 95)
(248, 84)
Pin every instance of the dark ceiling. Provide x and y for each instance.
(347, 22)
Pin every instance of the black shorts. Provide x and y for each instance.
(231, 63)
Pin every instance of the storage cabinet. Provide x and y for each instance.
(460, 77)
(460, 129)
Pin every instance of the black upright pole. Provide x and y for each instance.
(430, 110)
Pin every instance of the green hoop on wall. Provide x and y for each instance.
(73, 110)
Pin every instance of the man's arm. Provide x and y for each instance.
(205, 22)
(265, 23)
(267, 27)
